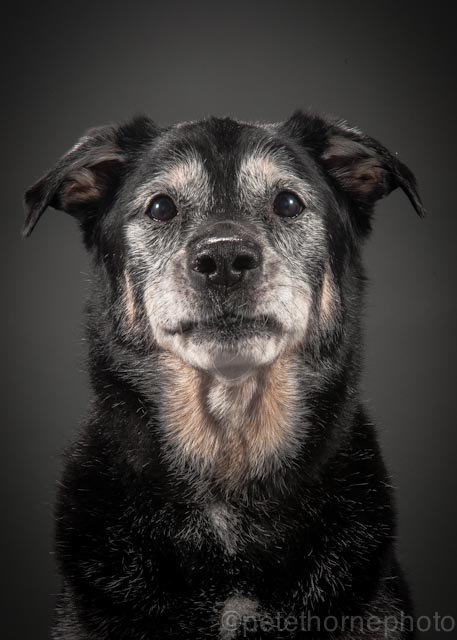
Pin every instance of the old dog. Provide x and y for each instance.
(228, 480)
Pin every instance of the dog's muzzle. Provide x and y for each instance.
(225, 256)
(231, 329)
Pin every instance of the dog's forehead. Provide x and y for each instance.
(219, 138)
(219, 157)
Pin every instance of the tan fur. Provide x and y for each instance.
(329, 300)
(81, 187)
(187, 179)
(129, 302)
(368, 176)
(363, 175)
(84, 185)
(262, 172)
(259, 171)
(231, 429)
(326, 297)
(189, 172)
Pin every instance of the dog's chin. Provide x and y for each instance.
(229, 361)
(229, 353)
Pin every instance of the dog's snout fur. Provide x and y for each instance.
(225, 256)
(227, 463)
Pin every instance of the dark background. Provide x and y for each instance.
(388, 67)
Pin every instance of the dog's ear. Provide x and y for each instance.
(360, 165)
(86, 177)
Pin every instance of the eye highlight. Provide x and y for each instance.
(287, 205)
(162, 208)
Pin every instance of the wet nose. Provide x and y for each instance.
(224, 260)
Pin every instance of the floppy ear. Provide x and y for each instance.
(361, 166)
(86, 177)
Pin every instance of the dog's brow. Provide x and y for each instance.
(186, 177)
(263, 170)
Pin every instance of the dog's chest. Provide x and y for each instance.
(225, 525)
(218, 525)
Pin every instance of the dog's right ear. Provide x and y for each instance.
(358, 165)
(85, 178)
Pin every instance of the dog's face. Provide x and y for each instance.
(226, 229)
(228, 237)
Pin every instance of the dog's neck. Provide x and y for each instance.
(236, 434)
(233, 430)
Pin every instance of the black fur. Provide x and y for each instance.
(136, 556)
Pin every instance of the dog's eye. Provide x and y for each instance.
(162, 208)
(287, 205)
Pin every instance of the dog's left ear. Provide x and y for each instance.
(360, 165)
(86, 177)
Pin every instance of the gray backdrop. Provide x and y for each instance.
(389, 68)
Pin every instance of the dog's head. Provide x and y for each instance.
(229, 238)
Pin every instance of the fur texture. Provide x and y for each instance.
(227, 466)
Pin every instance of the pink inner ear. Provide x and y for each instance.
(340, 148)
(355, 168)
(88, 185)
(368, 177)
(80, 187)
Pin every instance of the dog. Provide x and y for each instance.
(228, 481)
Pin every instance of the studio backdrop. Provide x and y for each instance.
(388, 68)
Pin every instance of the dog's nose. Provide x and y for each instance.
(224, 260)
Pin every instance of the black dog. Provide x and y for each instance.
(228, 482)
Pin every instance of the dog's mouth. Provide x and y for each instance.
(229, 326)
(229, 345)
